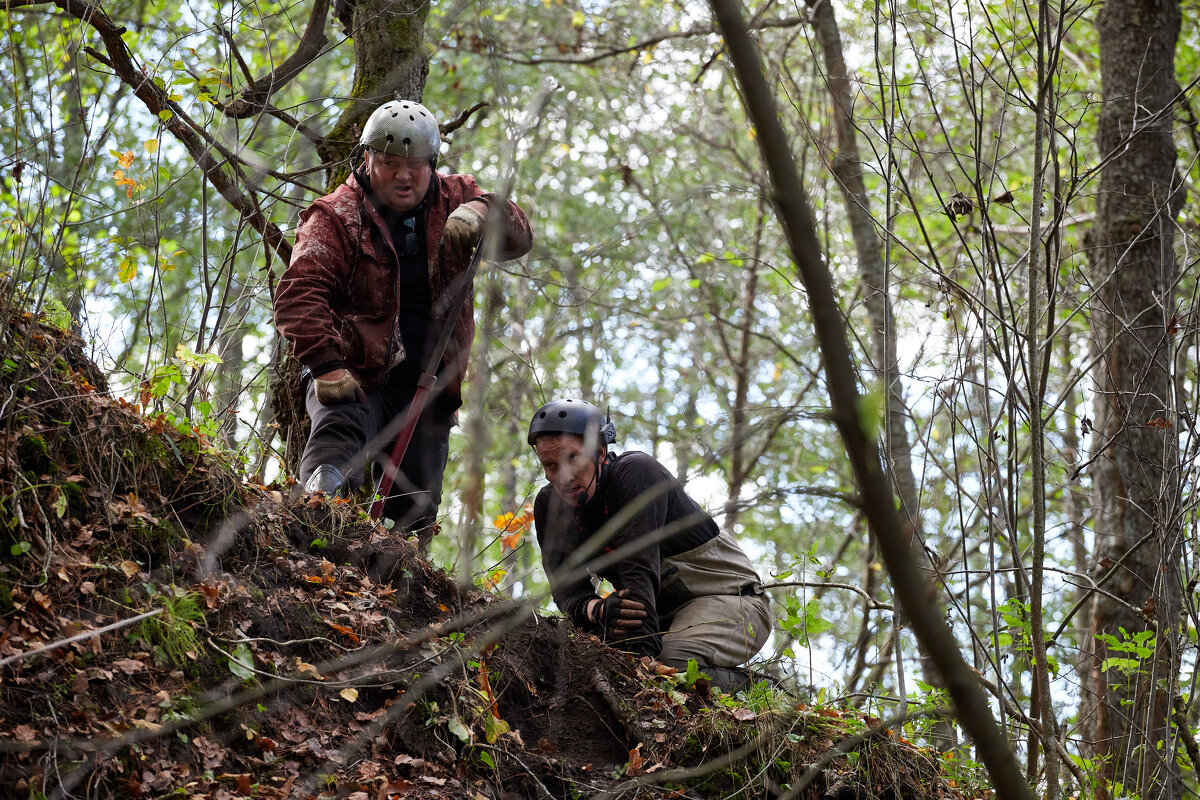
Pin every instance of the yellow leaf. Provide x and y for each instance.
(349, 695)
(752, 134)
(304, 666)
(125, 159)
(151, 145)
(577, 19)
(130, 568)
(127, 269)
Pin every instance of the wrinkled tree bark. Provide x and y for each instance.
(1135, 476)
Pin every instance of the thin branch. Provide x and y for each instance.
(79, 637)
(253, 98)
(654, 41)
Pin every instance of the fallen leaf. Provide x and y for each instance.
(349, 694)
(130, 568)
(304, 666)
(212, 753)
(342, 629)
(129, 665)
(635, 761)
(242, 779)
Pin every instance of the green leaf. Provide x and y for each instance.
(693, 673)
(486, 758)
(59, 503)
(241, 663)
(193, 359)
(458, 729)
(492, 728)
(870, 412)
(162, 378)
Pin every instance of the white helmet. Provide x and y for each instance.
(402, 128)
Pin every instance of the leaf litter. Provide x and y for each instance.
(169, 630)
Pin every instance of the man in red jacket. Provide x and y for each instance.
(374, 269)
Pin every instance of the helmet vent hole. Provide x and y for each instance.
(390, 138)
(562, 415)
(407, 142)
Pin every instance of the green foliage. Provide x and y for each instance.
(242, 662)
(691, 674)
(803, 620)
(171, 635)
(1139, 646)
(56, 314)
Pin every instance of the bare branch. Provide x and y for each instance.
(253, 98)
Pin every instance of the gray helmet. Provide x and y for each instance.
(402, 128)
(571, 416)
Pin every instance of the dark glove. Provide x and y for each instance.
(338, 392)
(464, 226)
(619, 615)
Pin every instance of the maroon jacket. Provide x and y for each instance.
(338, 298)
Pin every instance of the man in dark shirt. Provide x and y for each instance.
(683, 588)
(367, 293)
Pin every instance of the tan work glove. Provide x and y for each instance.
(464, 226)
(338, 391)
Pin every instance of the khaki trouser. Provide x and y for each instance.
(717, 630)
(712, 607)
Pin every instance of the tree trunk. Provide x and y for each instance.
(474, 460)
(389, 62)
(873, 274)
(1135, 478)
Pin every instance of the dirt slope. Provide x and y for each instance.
(166, 631)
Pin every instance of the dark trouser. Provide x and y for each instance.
(340, 435)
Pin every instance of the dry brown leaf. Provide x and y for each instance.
(635, 761)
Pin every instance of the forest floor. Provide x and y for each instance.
(167, 630)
